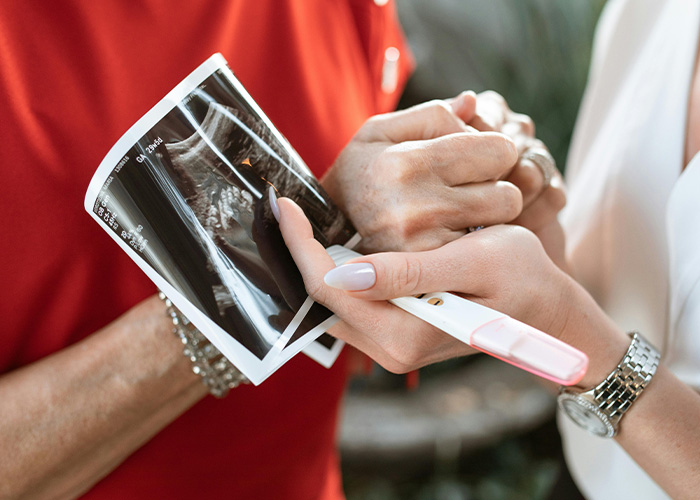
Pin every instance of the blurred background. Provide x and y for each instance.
(475, 428)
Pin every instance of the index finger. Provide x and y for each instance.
(423, 121)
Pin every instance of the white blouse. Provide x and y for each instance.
(633, 219)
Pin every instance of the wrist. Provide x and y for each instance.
(588, 328)
(136, 359)
(217, 373)
(600, 409)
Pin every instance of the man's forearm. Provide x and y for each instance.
(68, 420)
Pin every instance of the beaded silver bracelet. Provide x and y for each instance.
(217, 372)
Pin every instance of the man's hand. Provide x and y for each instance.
(417, 179)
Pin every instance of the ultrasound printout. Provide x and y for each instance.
(185, 193)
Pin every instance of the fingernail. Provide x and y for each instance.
(353, 277)
(273, 203)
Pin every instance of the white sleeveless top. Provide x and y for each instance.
(633, 219)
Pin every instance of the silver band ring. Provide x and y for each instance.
(544, 161)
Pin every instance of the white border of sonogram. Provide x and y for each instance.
(255, 369)
(147, 122)
(323, 355)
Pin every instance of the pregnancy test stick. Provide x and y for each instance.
(490, 331)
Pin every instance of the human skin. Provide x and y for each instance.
(658, 432)
(541, 203)
(72, 417)
(418, 178)
(67, 420)
(506, 268)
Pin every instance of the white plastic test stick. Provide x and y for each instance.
(490, 331)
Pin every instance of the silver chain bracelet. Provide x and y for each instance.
(217, 372)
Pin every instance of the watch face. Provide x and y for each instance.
(586, 415)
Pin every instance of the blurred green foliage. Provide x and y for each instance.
(534, 52)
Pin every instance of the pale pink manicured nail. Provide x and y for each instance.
(353, 277)
(273, 203)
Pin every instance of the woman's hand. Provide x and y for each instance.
(396, 340)
(502, 267)
(418, 178)
(505, 268)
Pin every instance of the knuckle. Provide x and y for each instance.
(404, 224)
(524, 122)
(511, 200)
(398, 164)
(481, 248)
(442, 119)
(557, 198)
(408, 224)
(396, 227)
(409, 274)
(395, 222)
(401, 273)
(528, 125)
(529, 178)
(439, 108)
(524, 237)
(510, 151)
(492, 95)
(504, 150)
(370, 128)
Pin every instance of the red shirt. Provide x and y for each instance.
(74, 76)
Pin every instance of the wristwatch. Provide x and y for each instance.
(600, 409)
